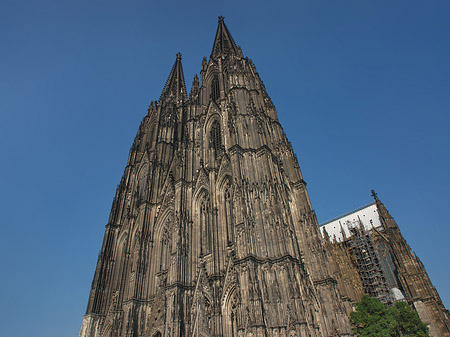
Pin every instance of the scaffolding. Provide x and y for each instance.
(368, 264)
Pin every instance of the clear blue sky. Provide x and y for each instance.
(362, 89)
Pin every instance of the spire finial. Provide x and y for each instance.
(223, 43)
(175, 86)
(374, 194)
(194, 88)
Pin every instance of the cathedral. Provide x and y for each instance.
(211, 230)
(369, 255)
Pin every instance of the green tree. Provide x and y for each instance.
(372, 318)
(407, 321)
(375, 319)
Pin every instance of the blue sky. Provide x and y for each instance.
(361, 88)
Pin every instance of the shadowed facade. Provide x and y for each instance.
(211, 231)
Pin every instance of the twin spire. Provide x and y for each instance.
(223, 43)
(175, 88)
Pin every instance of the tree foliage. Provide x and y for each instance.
(374, 319)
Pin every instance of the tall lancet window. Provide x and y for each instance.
(216, 139)
(164, 251)
(142, 185)
(215, 91)
(228, 215)
(205, 229)
(230, 313)
(234, 332)
(165, 242)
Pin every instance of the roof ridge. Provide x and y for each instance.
(347, 213)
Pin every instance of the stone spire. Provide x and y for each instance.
(375, 197)
(175, 88)
(223, 43)
(386, 219)
(194, 88)
(206, 231)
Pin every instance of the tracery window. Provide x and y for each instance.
(205, 228)
(164, 241)
(234, 332)
(228, 214)
(141, 188)
(216, 139)
(215, 91)
(230, 313)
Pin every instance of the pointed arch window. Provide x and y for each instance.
(228, 214)
(215, 91)
(234, 332)
(141, 188)
(216, 139)
(231, 319)
(163, 262)
(205, 226)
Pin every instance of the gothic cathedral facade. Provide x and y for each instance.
(211, 231)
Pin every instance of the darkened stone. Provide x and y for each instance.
(211, 232)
